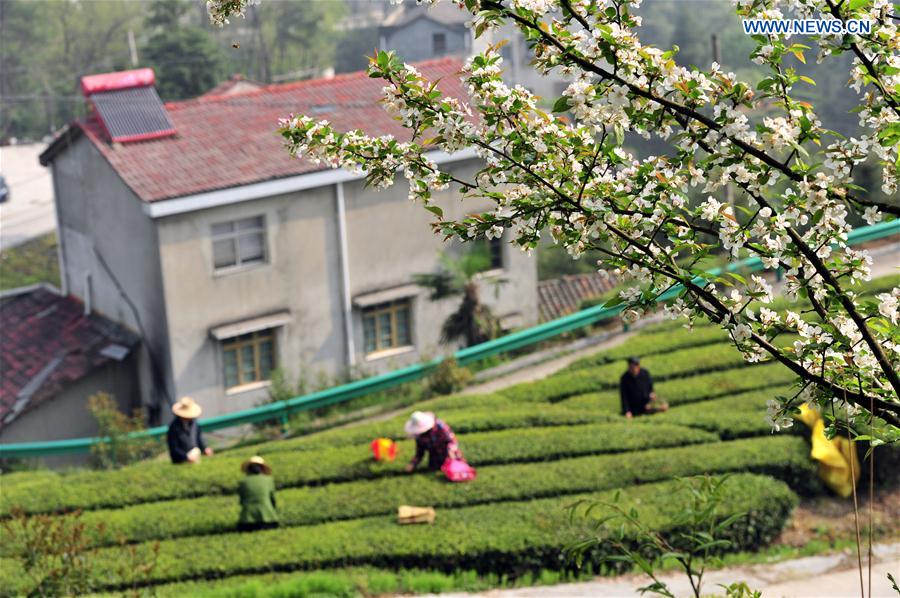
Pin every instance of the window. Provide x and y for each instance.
(249, 358)
(387, 326)
(439, 43)
(239, 242)
(494, 249)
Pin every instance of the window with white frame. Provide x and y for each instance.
(248, 358)
(239, 243)
(387, 326)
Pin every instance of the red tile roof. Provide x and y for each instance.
(229, 140)
(560, 296)
(46, 342)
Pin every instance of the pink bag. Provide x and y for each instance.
(457, 470)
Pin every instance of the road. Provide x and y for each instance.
(826, 576)
(29, 212)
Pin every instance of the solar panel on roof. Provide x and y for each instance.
(132, 114)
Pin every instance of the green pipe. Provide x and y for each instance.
(358, 388)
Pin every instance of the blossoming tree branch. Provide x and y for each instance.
(574, 179)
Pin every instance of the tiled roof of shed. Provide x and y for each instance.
(46, 342)
(229, 140)
(560, 296)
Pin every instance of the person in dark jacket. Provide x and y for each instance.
(636, 391)
(257, 494)
(432, 436)
(184, 437)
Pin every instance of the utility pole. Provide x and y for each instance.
(132, 48)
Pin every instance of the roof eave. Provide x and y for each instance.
(66, 137)
(311, 180)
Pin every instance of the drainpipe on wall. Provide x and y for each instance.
(88, 299)
(345, 274)
(60, 238)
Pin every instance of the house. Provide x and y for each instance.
(419, 32)
(189, 223)
(426, 31)
(55, 353)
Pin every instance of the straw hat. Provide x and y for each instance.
(419, 422)
(187, 408)
(256, 460)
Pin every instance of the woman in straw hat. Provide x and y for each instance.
(184, 436)
(432, 436)
(257, 492)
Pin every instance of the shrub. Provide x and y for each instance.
(448, 377)
(497, 537)
(115, 426)
(57, 555)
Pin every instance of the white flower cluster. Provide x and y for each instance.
(777, 417)
(220, 10)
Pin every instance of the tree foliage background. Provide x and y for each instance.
(46, 46)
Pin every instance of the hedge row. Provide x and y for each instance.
(652, 341)
(751, 403)
(220, 475)
(683, 391)
(496, 537)
(689, 362)
(492, 412)
(737, 416)
(482, 419)
(784, 458)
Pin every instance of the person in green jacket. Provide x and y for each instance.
(257, 493)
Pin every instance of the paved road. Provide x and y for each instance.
(29, 212)
(826, 576)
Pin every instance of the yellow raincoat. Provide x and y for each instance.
(833, 455)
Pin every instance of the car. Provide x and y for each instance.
(4, 190)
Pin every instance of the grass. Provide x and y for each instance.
(32, 262)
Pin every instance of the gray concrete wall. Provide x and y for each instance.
(415, 42)
(301, 275)
(96, 209)
(389, 240)
(67, 416)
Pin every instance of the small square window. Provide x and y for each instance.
(439, 43)
(387, 326)
(239, 242)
